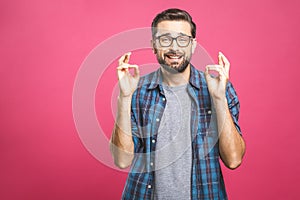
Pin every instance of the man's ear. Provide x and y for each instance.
(194, 45)
(153, 47)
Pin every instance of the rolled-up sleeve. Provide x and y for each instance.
(233, 105)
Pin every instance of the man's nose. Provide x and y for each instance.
(174, 44)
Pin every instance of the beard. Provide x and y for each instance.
(175, 66)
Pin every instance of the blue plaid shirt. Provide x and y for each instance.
(147, 107)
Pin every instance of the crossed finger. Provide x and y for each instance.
(125, 66)
(223, 61)
(218, 68)
(125, 58)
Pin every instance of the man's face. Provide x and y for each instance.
(176, 57)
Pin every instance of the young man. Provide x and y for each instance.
(174, 124)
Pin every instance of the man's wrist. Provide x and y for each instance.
(123, 98)
(124, 103)
(219, 101)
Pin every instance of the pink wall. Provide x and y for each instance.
(44, 43)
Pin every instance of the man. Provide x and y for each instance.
(174, 124)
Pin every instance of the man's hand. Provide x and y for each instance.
(231, 144)
(127, 82)
(217, 85)
(122, 146)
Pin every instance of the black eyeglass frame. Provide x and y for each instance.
(172, 40)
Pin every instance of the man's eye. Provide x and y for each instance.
(165, 39)
(183, 39)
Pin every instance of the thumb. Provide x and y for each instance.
(136, 71)
(220, 60)
(207, 75)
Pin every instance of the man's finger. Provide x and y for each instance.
(217, 68)
(226, 62)
(124, 58)
(220, 60)
(126, 67)
(123, 66)
(207, 75)
(214, 67)
(127, 56)
(136, 70)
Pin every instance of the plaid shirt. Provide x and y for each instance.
(147, 107)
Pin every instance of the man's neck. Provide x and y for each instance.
(176, 79)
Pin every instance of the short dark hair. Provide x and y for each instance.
(173, 14)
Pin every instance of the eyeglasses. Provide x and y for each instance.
(181, 40)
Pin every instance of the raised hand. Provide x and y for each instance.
(127, 82)
(217, 85)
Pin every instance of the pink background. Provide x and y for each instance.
(43, 44)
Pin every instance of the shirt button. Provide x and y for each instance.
(209, 112)
(153, 141)
(157, 119)
(151, 163)
(149, 186)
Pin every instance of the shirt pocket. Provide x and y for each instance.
(206, 122)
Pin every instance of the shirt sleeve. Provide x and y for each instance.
(233, 105)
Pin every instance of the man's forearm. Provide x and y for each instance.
(121, 141)
(231, 143)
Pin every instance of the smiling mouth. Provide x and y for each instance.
(173, 59)
(172, 56)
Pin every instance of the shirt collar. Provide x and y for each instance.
(195, 77)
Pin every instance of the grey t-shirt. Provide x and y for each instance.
(173, 155)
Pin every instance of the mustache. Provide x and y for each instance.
(173, 53)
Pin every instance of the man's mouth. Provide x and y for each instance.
(173, 58)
